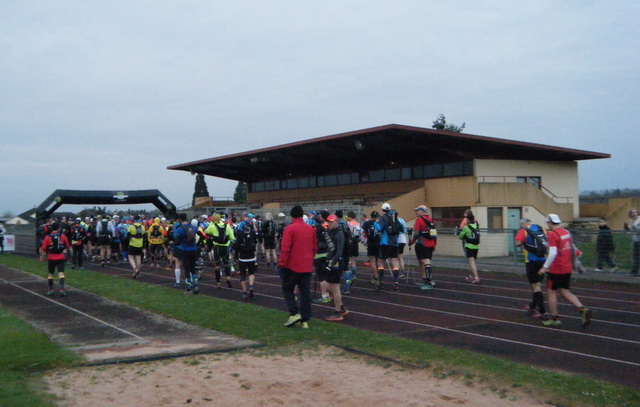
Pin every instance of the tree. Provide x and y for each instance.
(441, 124)
(201, 189)
(240, 195)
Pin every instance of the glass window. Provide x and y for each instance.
(321, 181)
(364, 177)
(312, 182)
(418, 172)
(453, 169)
(303, 182)
(376, 176)
(433, 171)
(292, 184)
(521, 179)
(535, 181)
(330, 180)
(257, 187)
(344, 179)
(393, 174)
(355, 178)
(406, 173)
(468, 168)
(268, 186)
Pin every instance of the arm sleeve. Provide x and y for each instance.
(553, 252)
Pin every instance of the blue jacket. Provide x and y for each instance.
(180, 236)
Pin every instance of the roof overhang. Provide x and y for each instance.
(374, 148)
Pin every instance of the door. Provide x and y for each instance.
(513, 222)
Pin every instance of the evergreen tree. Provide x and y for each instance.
(240, 195)
(201, 189)
(441, 124)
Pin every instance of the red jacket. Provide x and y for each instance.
(298, 247)
(420, 225)
(55, 256)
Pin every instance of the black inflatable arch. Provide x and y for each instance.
(60, 197)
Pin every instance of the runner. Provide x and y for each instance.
(390, 228)
(245, 254)
(425, 237)
(222, 236)
(136, 234)
(559, 266)
(54, 248)
(353, 251)
(470, 235)
(156, 236)
(371, 239)
(335, 267)
(78, 237)
(529, 239)
(269, 230)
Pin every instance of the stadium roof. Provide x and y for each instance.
(374, 148)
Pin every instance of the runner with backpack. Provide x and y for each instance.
(185, 234)
(269, 231)
(371, 239)
(425, 236)
(104, 232)
(136, 234)
(470, 235)
(353, 245)
(222, 236)
(533, 240)
(245, 247)
(155, 236)
(78, 237)
(54, 248)
(390, 227)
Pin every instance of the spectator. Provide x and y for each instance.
(295, 266)
(634, 227)
(605, 247)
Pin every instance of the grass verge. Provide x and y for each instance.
(265, 325)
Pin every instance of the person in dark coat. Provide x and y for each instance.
(605, 247)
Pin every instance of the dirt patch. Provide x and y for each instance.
(327, 376)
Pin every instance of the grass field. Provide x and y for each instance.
(20, 373)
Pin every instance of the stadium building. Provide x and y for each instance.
(500, 180)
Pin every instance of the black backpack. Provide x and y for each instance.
(269, 228)
(540, 248)
(155, 231)
(370, 231)
(221, 238)
(55, 244)
(394, 226)
(246, 240)
(78, 233)
(431, 233)
(104, 228)
(475, 234)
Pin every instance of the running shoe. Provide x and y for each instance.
(475, 281)
(597, 269)
(426, 286)
(379, 287)
(135, 274)
(335, 317)
(469, 278)
(402, 277)
(63, 293)
(614, 269)
(304, 325)
(537, 315)
(196, 290)
(344, 311)
(374, 280)
(322, 300)
(552, 322)
(585, 317)
(245, 295)
(348, 277)
(346, 291)
(177, 285)
(51, 292)
(293, 319)
(251, 292)
(218, 286)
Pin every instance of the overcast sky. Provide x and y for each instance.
(106, 95)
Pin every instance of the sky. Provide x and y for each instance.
(106, 95)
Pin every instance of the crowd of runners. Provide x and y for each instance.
(233, 244)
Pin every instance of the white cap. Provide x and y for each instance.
(281, 215)
(386, 207)
(194, 222)
(553, 218)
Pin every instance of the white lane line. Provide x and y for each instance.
(77, 311)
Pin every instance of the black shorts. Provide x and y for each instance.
(401, 248)
(558, 281)
(471, 253)
(135, 251)
(320, 266)
(533, 267)
(373, 250)
(247, 267)
(269, 243)
(52, 265)
(333, 275)
(388, 252)
(156, 249)
(104, 241)
(423, 252)
(353, 250)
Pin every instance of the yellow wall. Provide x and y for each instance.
(616, 211)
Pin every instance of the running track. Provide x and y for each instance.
(487, 318)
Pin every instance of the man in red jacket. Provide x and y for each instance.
(295, 266)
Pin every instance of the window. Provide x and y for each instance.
(257, 187)
(433, 171)
(494, 218)
(303, 182)
(448, 217)
(535, 181)
(330, 180)
(406, 173)
(376, 176)
(394, 174)
(453, 169)
(418, 172)
(355, 178)
(269, 185)
(344, 179)
(292, 184)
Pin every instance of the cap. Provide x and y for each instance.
(78, 219)
(251, 215)
(421, 208)
(553, 218)
(386, 207)
(281, 215)
(204, 216)
(332, 218)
